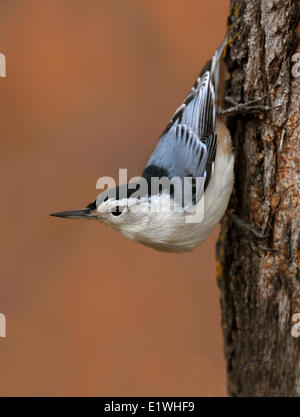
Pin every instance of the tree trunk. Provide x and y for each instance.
(259, 277)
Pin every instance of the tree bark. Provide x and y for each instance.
(259, 277)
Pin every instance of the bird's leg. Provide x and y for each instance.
(252, 106)
(247, 228)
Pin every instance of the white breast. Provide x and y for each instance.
(169, 231)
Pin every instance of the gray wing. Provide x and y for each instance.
(188, 145)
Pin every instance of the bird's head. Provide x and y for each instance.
(113, 206)
(148, 219)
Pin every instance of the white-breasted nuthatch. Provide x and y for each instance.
(195, 144)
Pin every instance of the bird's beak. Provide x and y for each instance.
(85, 213)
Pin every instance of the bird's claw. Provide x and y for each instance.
(252, 106)
(246, 227)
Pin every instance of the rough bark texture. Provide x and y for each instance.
(259, 278)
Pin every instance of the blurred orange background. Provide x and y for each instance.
(90, 87)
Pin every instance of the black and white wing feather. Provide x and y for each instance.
(188, 145)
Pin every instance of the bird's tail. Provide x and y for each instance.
(199, 107)
(217, 71)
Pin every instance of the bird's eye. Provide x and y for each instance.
(117, 211)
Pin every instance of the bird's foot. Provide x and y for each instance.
(249, 229)
(252, 106)
(246, 227)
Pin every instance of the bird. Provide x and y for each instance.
(195, 150)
